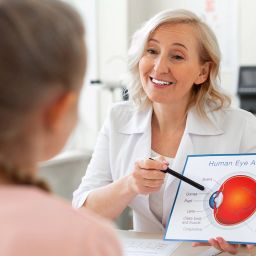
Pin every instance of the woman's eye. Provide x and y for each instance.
(151, 51)
(177, 57)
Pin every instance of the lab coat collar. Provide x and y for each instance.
(139, 122)
(210, 125)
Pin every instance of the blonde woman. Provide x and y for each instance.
(176, 108)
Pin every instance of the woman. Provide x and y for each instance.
(176, 109)
(42, 60)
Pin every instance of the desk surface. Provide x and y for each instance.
(184, 249)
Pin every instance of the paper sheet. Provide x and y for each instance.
(148, 247)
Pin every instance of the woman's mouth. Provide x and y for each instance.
(161, 82)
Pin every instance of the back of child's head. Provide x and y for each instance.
(42, 51)
(41, 47)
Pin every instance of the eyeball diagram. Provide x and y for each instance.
(235, 200)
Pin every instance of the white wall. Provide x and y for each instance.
(247, 32)
(86, 131)
(106, 38)
(112, 35)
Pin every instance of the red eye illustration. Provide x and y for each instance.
(235, 201)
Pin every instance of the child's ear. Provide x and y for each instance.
(59, 109)
(204, 73)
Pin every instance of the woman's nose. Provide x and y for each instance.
(161, 65)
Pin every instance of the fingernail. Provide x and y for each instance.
(165, 162)
(164, 166)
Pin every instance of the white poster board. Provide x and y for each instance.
(227, 206)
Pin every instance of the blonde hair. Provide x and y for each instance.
(208, 93)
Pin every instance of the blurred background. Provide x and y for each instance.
(109, 27)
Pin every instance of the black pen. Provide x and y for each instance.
(181, 177)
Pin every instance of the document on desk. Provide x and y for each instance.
(148, 247)
(227, 206)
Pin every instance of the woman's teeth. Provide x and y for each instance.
(160, 82)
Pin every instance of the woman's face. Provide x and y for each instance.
(170, 64)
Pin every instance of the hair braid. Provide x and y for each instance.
(15, 176)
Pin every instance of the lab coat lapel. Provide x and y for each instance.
(185, 148)
(142, 150)
(139, 126)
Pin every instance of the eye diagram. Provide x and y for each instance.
(235, 201)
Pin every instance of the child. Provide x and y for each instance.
(42, 64)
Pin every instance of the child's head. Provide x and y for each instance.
(42, 64)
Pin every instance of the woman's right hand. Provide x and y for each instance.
(146, 176)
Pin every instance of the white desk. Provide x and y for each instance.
(185, 249)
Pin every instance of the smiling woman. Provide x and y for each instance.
(176, 108)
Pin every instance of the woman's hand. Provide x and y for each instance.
(147, 176)
(220, 244)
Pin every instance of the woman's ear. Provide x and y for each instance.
(204, 73)
(57, 111)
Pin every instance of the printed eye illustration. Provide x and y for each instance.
(235, 200)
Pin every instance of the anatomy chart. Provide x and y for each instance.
(227, 205)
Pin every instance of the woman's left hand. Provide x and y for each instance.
(220, 244)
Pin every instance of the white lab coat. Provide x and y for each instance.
(126, 137)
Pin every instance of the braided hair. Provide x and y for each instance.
(15, 176)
